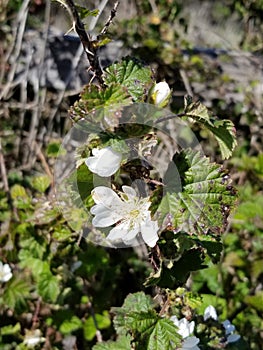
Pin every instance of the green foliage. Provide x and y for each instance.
(198, 196)
(131, 74)
(138, 318)
(223, 130)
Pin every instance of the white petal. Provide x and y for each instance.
(105, 162)
(106, 196)
(117, 232)
(104, 217)
(175, 320)
(185, 328)
(210, 312)
(232, 338)
(229, 327)
(149, 231)
(131, 193)
(190, 343)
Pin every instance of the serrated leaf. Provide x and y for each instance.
(16, 293)
(41, 183)
(255, 301)
(70, 325)
(84, 12)
(103, 321)
(122, 343)
(164, 336)
(108, 102)
(48, 287)
(134, 303)
(131, 74)
(10, 329)
(223, 130)
(198, 195)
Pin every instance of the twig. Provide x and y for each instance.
(89, 47)
(110, 19)
(5, 182)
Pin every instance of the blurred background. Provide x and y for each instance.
(212, 50)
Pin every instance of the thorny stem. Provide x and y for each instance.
(88, 45)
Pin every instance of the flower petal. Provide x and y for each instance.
(210, 312)
(106, 196)
(117, 232)
(104, 162)
(149, 232)
(232, 338)
(190, 343)
(104, 217)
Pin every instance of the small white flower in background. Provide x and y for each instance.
(185, 329)
(210, 312)
(104, 162)
(33, 338)
(129, 211)
(190, 343)
(230, 328)
(5, 272)
(161, 94)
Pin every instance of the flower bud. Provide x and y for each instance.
(160, 94)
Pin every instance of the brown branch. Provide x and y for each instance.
(110, 19)
(88, 45)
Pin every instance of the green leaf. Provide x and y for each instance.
(255, 301)
(10, 329)
(223, 130)
(108, 102)
(122, 343)
(89, 329)
(41, 183)
(198, 196)
(138, 318)
(71, 325)
(84, 12)
(164, 336)
(134, 303)
(133, 75)
(15, 294)
(103, 321)
(48, 287)
(54, 149)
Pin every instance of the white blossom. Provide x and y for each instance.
(104, 162)
(161, 94)
(128, 211)
(185, 327)
(232, 338)
(33, 338)
(5, 272)
(190, 343)
(210, 312)
(229, 329)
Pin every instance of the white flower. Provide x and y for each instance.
(210, 312)
(185, 328)
(160, 94)
(104, 162)
(130, 212)
(33, 338)
(229, 327)
(232, 338)
(190, 343)
(5, 272)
